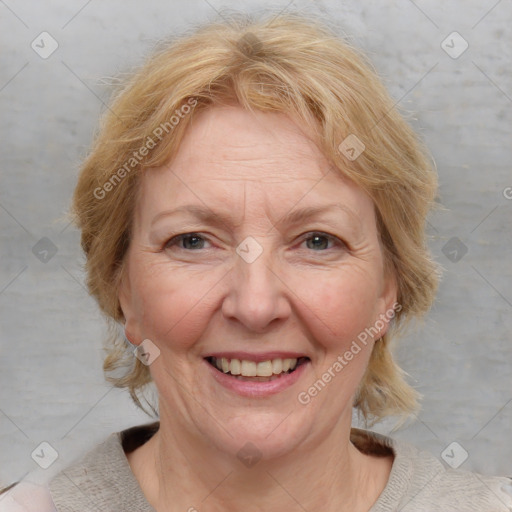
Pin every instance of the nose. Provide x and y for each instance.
(257, 296)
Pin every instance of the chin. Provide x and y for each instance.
(262, 435)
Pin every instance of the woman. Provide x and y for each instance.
(253, 215)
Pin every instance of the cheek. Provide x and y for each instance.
(174, 305)
(340, 306)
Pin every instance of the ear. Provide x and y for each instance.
(126, 301)
(387, 304)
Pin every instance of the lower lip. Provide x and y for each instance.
(254, 388)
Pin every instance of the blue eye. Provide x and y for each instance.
(315, 241)
(319, 241)
(187, 241)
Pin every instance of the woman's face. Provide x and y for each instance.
(249, 250)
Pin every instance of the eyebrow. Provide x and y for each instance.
(296, 216)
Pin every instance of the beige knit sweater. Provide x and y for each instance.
(103, 482)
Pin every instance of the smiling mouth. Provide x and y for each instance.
(263, 371)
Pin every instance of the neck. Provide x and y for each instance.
(178, 471)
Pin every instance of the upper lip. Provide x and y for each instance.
(257, 357)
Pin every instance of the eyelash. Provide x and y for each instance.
(178, 238)
(310, 235)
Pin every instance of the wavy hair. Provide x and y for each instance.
(290, 65)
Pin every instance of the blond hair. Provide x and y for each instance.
(286, 65)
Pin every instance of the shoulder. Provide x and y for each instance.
(457, 490)
(27, 497)
(102, 479)
(433, 485)
(420, 482)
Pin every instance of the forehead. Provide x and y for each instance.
(234, 143)
(228, 153)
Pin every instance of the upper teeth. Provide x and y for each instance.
(253, 369)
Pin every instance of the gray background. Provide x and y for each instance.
(52, 387)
